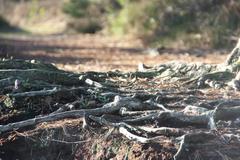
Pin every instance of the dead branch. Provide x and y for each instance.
(67, 142)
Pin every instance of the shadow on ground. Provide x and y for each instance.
(43, 50)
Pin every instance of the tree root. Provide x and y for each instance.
(207, 144)
(143, 114)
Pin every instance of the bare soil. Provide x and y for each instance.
(82, 53)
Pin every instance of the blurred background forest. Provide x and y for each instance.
(170, 23)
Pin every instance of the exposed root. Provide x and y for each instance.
(144, 106)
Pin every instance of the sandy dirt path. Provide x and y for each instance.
(81, 53)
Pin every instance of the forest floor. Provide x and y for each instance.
(70, 139)
(81, 53)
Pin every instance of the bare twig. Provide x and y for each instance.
(67, 142)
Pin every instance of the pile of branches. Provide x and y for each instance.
(33, 92)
